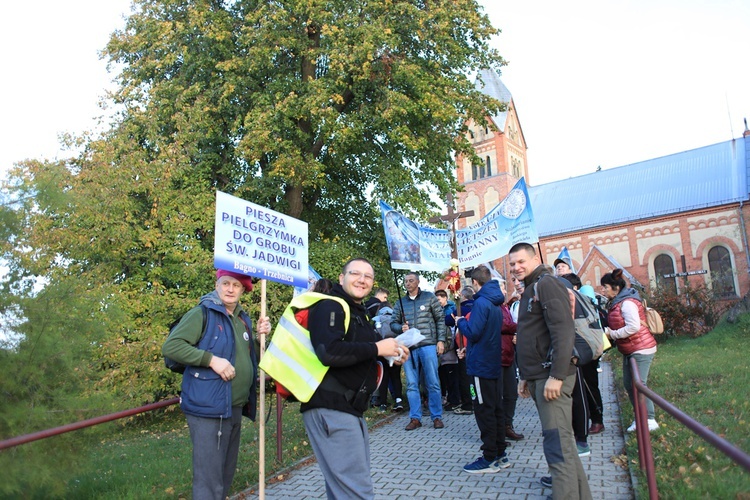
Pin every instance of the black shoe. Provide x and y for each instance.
(546, 481)
(398, 405)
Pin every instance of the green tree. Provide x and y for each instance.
(314, 109)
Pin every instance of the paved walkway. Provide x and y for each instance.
(427, 463)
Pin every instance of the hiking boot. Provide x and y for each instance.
(596, 428)
(413, 424)
(584, 450)
(511, 434)
(438, 423)
(480, 466)
(546, 481)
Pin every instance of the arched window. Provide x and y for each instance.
(722, 275)
(664, 265)
(489, 166)
(474, 172)
(481, 171)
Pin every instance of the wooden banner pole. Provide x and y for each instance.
(262, 427)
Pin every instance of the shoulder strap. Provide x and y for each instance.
(309, 299)
(536, 294)
(204, 313)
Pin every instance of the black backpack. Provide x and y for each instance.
(172, 364)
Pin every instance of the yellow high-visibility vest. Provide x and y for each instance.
(290, 358)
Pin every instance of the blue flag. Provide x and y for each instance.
(565, 256)
(312, 278)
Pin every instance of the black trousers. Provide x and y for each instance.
(488, 412)
(464, 385)
(449, 385)
(510, 393)
(580, 409)
(593, 396)
(391, 375)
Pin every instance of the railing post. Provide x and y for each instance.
(643, 435)
(279, 409)
(637, 413)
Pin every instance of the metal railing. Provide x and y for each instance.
(643, 436)
(27, 438)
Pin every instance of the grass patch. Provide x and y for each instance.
(152, 459)
(707, 378)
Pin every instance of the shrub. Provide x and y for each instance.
(694, 311)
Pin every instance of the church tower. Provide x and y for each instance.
(500, 145)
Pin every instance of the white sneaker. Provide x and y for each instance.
(652, 425)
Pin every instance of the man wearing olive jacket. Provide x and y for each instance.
(545, 321)
(422, 310)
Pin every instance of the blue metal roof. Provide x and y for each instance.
(700, 178)
(488, 82)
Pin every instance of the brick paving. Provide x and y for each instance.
(428, 463)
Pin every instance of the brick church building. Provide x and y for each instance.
(665, 220)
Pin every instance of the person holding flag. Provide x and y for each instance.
(563, 263)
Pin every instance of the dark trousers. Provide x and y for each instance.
(591, 387)
(464, 385)
(391, 376)
(580, 410)
(449, 383)
(510, 393)
(488, 411)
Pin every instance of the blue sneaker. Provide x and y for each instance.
(502, 461)
(584, 450)
(546, 481)
(480, 466)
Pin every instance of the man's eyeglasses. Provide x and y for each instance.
(358, 274)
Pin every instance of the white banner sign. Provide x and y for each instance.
(260, 242)
(416, 247)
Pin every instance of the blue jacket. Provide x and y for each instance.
(482, 332)
(204, 393)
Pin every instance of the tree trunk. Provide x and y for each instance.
(293, 196)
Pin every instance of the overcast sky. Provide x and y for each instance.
(595, 82)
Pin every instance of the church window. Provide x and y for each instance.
(474, 172)
(722, 275)
(489, 166)
(482, 171)
(664, 265)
